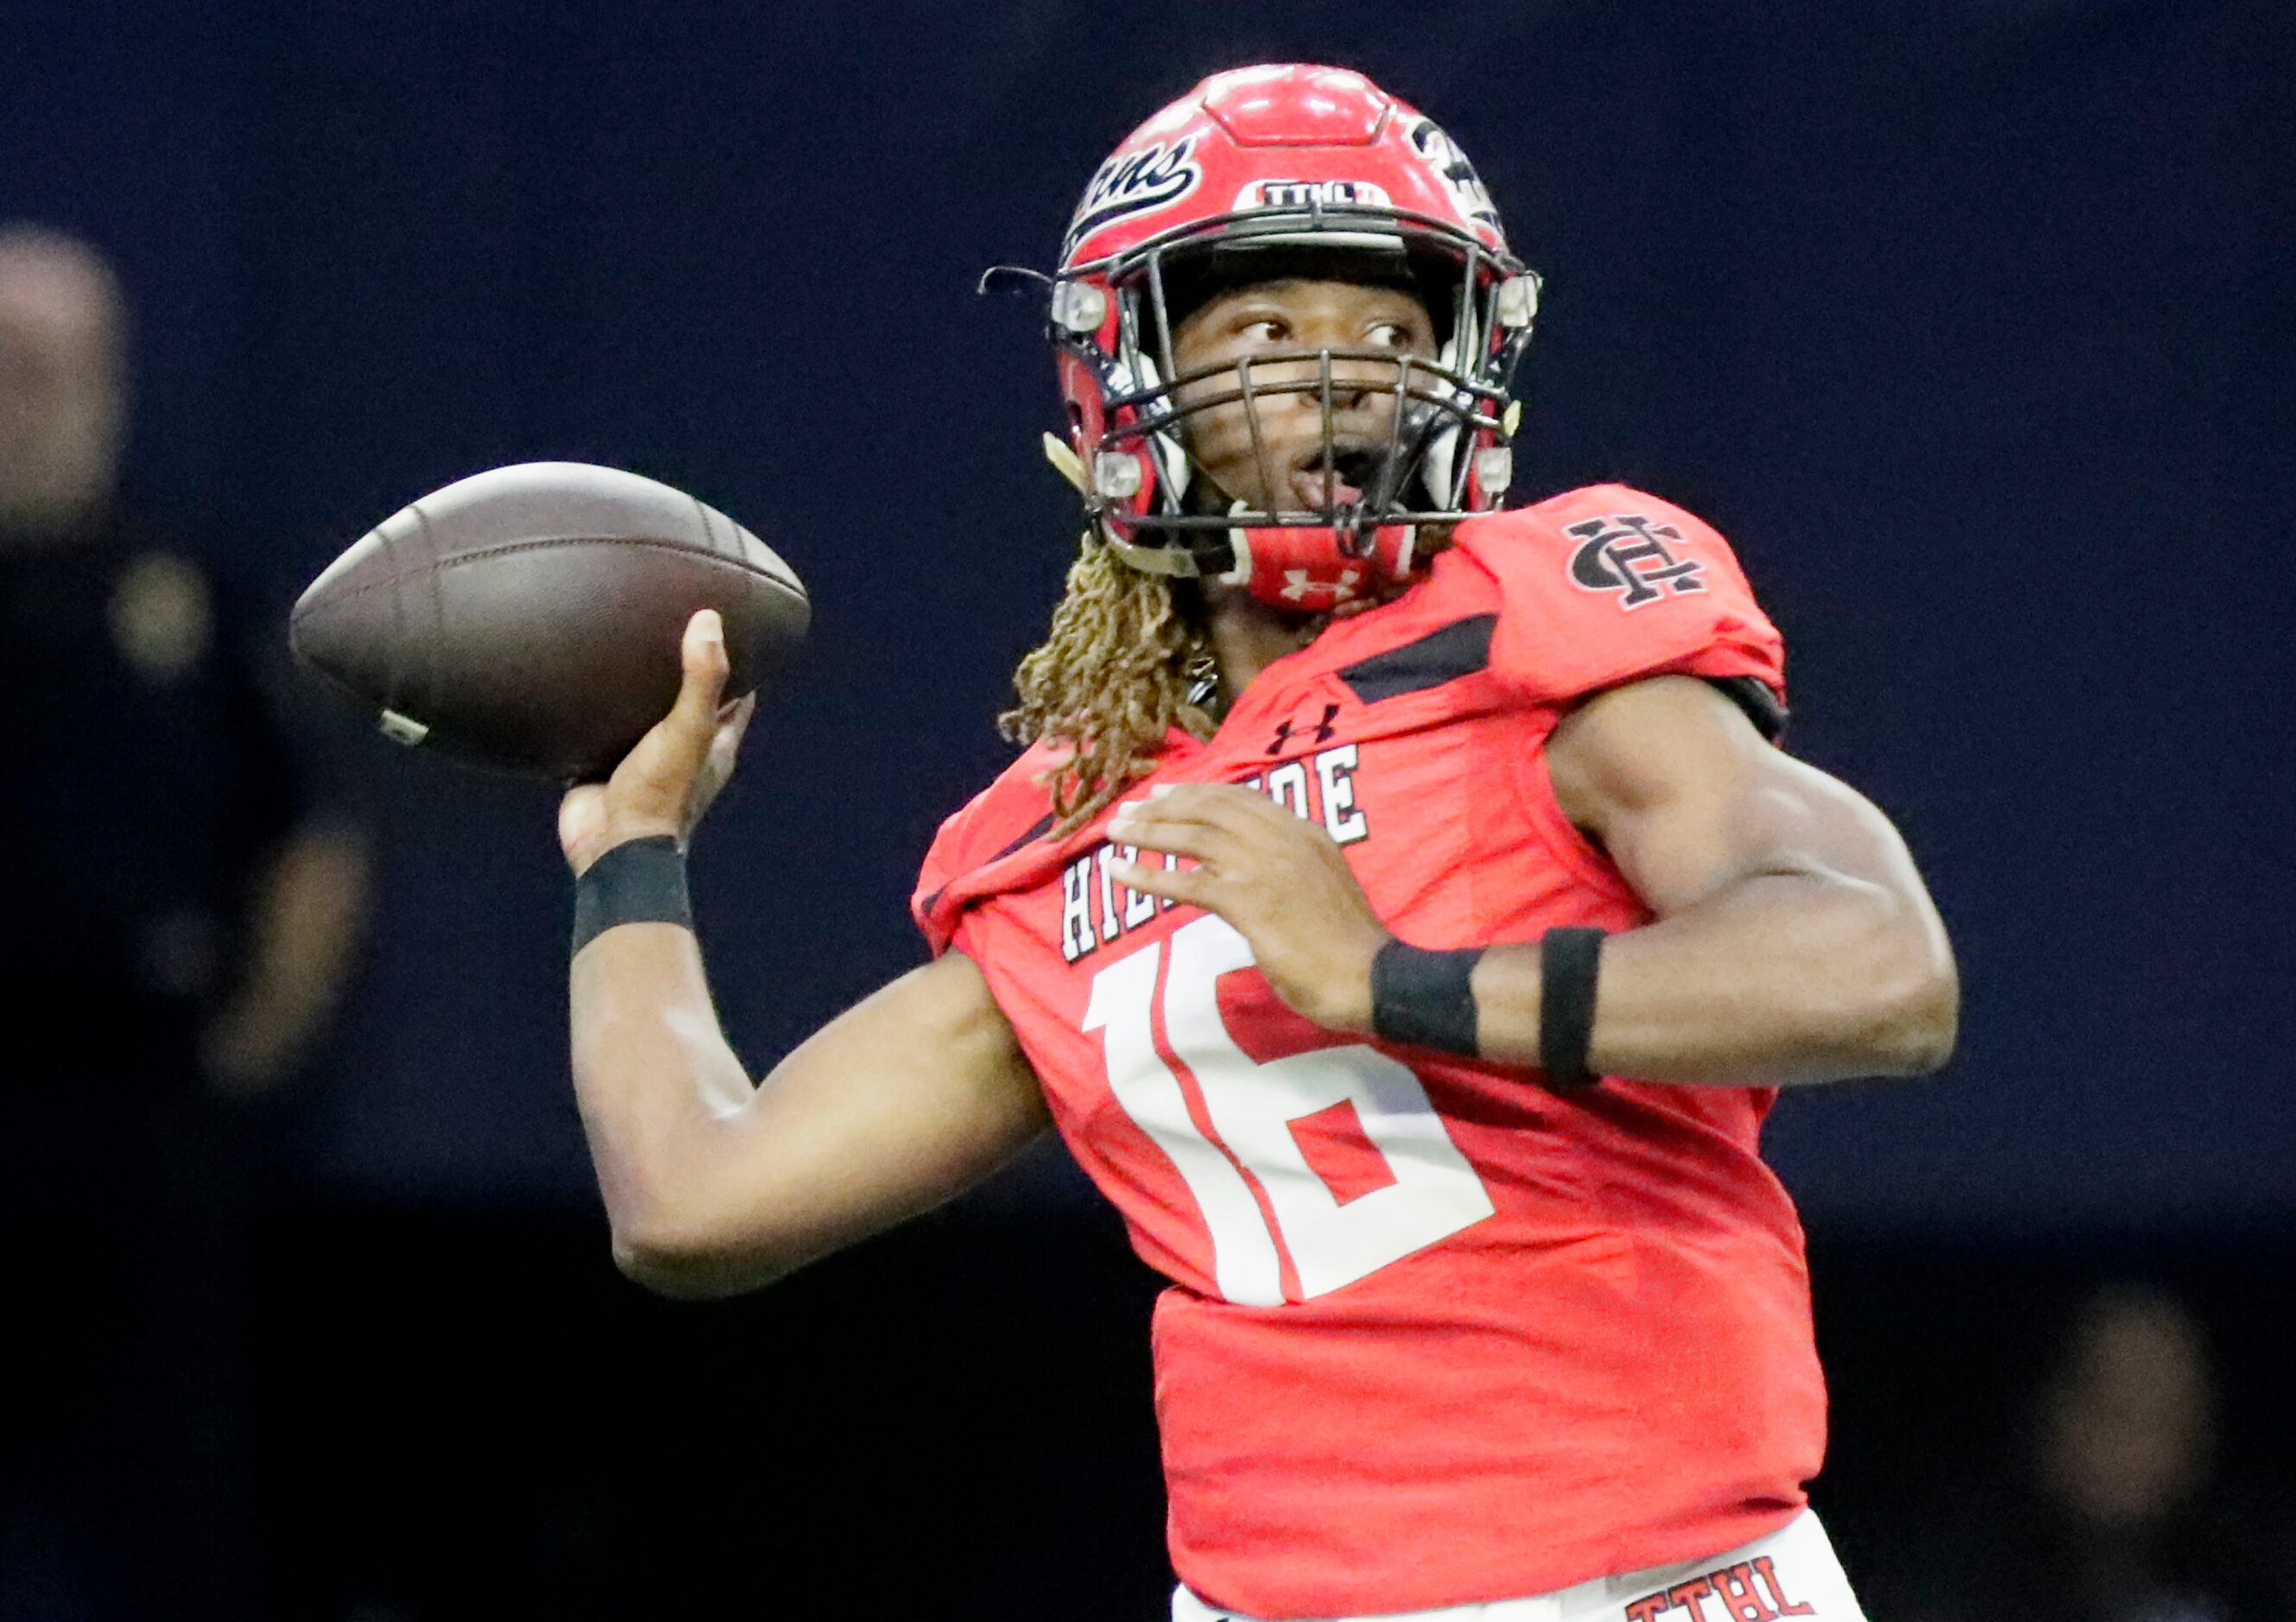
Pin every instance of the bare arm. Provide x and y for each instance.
(712, 1185)
(1794, 939)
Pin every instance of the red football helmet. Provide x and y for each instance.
(1251, 164)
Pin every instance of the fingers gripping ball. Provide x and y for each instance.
(529, 619)
(665, 784)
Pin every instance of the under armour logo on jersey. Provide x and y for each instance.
(1628, 554)
(1323, 733)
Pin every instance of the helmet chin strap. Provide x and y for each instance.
(1314, 568)
(1172, 562)
(1307, 568)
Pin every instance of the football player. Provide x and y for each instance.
(1402, 909)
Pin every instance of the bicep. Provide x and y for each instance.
(901, 1102)
(1687, 798)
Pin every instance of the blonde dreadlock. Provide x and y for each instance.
(1109, 681)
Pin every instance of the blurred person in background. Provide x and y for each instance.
(183, 921)
(2117, 1510)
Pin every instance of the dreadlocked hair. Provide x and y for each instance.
(1109, 682)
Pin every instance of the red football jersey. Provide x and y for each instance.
(1436, 1335)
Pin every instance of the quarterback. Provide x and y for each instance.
(1401, 907)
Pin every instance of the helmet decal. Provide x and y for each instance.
(1308, 194)
(1458, 175)
(1152, 176)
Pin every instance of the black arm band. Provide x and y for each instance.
(1568, 960)
(1424, 997)
(640, 881)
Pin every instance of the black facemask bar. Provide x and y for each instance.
(1427, 399)
(1458, 398)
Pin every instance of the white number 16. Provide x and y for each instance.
(1435, 1193)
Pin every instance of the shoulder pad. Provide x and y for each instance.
(1607, 584)
(996, 825)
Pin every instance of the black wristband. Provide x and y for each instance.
(1568, 961)
(1424, 998)
(640, 881)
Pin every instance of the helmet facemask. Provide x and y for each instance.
(1254, 166)
(1431, 447)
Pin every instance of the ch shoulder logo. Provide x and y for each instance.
(1629, 554)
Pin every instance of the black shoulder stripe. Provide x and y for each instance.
(1030, 837)
(1460, 648)
(1752, 695)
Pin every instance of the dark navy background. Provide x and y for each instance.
(1969, 322)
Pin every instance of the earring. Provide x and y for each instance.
(1202, 673)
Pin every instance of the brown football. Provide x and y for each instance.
(528, 618)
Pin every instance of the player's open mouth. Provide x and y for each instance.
(1338, 478)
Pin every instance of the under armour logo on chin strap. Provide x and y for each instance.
(1299, 585)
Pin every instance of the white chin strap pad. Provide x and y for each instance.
(1441, 463)
(1170, 457)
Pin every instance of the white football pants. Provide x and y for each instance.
(1791, 1574)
